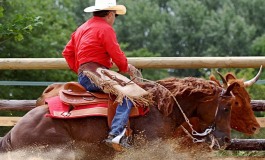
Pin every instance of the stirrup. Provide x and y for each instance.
(125, 142)
(119, 142)
(117, 139)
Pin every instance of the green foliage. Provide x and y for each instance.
(258, 46)
(150, 28)
(46, 40)
(200, 31)
(140, 27)
(27, 92)
(149, 74)
(188, 28)
(1, 12)
(15, 26)
(4, 130)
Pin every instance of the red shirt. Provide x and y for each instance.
(94, 41)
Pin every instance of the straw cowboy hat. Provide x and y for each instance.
(106, 5)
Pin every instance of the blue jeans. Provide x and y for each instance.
(122, 112)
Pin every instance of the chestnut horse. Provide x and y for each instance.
(196, 97)
(242, 116)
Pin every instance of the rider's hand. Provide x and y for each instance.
(135, 74)
(131, 70)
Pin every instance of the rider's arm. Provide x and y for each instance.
(113, 48)
(69, 55)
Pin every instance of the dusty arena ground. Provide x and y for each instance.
(159, 150)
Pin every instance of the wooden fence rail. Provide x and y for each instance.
(247, 144)
(141, 62)
(17, 105)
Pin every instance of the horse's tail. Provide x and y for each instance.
(5, 143)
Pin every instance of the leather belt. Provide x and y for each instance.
(90, 66)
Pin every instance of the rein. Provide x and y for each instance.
(194, 132)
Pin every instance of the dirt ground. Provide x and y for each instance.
(158, 150)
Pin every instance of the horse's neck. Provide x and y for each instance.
(191, 104)
(181, 117)
(187, 102)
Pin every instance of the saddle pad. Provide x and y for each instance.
(58, 109)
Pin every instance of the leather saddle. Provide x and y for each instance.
(75, 94)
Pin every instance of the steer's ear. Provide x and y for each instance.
(230, 88)
(230, 76)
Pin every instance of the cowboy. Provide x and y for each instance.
(93, 45)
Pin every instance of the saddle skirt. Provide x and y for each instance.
(75, 94)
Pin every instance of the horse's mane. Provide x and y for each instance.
(179, 87)
(188, 85)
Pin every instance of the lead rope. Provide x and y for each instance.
(194, 133)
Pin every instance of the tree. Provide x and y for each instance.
(258, 46)
(186, 28)
(142, 26)
(15, 26)
(46, 40)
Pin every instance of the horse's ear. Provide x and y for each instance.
(230, 88)
(213, 78)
